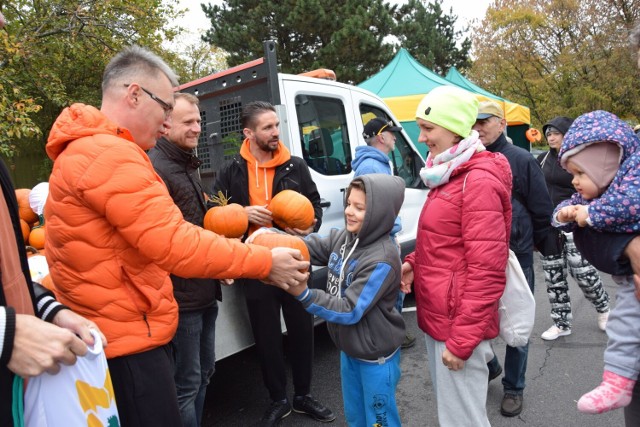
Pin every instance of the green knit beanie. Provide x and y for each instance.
(450, 107)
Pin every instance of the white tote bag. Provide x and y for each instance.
(517, 308)
(78, 395)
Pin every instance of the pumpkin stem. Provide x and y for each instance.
(220, 199)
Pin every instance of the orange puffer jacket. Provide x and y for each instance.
(114, 233)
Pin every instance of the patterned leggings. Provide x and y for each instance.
(587, 277)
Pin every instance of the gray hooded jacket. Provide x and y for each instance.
(364, 272)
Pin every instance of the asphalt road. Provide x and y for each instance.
(558, 373)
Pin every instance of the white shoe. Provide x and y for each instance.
(602, 320)
(554, 332)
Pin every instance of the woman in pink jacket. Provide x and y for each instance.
(462, 246)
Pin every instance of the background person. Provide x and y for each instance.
(555, 266)
(114, 234)
(530, 227)
(462, 246)
(175, 160)
(262, 169)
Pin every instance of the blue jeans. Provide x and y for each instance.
(194, 343)
(515, 360)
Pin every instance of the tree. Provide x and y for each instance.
(346, 36)
(430, 36)
(198, 60)
(54, 53)
(560, 57)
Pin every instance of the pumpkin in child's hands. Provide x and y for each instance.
(282, 240)
(291, 209)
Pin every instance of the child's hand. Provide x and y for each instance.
(407, 278)
(582, 214)
(451, 361)
(297, 290)
(566, 214)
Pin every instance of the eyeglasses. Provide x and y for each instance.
(168, 108)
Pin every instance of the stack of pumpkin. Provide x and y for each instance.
(289, 209)
(31, 211)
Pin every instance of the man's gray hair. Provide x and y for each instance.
(132, 63)
(371, 140)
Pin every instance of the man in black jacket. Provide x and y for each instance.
(530, 227)
(175, 161)
(263, 168)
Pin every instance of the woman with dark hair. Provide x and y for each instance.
(555, 266)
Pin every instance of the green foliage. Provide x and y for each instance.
(351, 37)
(53, 53)
(560, 57)
(430, 36)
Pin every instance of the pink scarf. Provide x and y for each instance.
(438, 169)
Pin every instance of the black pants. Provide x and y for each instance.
(264, 303)
(144, 388)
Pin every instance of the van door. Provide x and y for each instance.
(322, 116)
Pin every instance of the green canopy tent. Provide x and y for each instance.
(518, 116)
(403, 83)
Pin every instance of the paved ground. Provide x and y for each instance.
(559, 372)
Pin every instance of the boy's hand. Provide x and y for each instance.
(566, 214)
(582, 214)
(407, 278)
(300, 232)
(297, 290)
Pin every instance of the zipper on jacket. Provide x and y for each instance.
(144, 317)
(451, 300)
(133, 299)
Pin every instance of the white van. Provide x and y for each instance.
(321, 121)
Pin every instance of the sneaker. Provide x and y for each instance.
(511, 405)
(496, 374)
(274, 413)
(554, 332)
(602, 320)
(310, 406)
(409, 341)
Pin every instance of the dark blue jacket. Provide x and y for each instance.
(532, 207)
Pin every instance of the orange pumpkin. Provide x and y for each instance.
(25, 230)
(36, 238)
(533, 135)
(24, 208)
(282, 240)
(291, 209)
(228, 219)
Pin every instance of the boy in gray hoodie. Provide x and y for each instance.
(360, 297)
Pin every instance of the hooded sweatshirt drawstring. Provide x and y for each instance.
(344, 260)
(266, 187)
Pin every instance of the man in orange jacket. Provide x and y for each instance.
(114, 234)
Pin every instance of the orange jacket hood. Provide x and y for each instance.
(78, 121)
